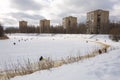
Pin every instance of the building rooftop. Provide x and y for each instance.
(98, 10)
(69, 17)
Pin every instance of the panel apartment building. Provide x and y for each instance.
(70, 24)
(44, 26)
(97, 22)
(23, 26)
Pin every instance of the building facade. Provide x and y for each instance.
(97, 22)
(70, 24)
(23, 26)
(44, 26)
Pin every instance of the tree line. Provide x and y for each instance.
(81, 28)
(114, 29)
(1, 31)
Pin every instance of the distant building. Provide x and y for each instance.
(70, 24)
(97, 22)
(23, 26)
(44, 26)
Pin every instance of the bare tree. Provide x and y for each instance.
(12, 30)
(81, 28)
(115, 31)
(1, 31)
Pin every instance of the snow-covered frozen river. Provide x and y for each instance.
(33, 46)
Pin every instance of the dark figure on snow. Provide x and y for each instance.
(14, 43)
(86, 41)
(100, 52)
(41, 58)
(19, 40)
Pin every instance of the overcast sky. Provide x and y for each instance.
(12, 11)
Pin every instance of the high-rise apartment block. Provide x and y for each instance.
(44, 26)
(23, 26)
(70, 24)
(97, 22)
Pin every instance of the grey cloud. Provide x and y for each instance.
(16, 17)
(79, 7)
(83, 6)
(25, 5)
(91, 4)
(60, 8)
(26, 16)
(8, 22)
(114, 18)
(32, 19)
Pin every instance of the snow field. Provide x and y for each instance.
(32, 46)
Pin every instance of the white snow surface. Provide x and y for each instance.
(102, 67)
(33, 46)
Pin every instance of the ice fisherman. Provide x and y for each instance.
(41, 58)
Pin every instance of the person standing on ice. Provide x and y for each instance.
(41, 58)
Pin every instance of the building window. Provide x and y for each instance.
(92, 16)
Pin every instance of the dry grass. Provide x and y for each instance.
(27, 68)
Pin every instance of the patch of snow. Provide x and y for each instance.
(102, 67)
